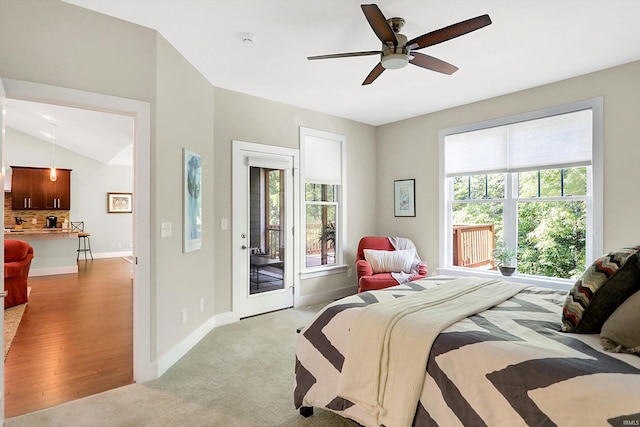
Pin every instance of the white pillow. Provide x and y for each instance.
(390, 261)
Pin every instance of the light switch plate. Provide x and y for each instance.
(165, 229)
(224, 224)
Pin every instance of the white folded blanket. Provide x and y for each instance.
(385, 366)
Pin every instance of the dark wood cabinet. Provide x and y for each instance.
(31, 189)
(26, 190)
(56, 194)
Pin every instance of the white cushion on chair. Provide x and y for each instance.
(390, 261)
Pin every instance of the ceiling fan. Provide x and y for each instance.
(397, 51)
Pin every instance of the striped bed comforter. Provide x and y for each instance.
(508, 365)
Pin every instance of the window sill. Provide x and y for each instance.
(323, 271)
(544, 282)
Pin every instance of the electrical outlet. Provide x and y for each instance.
(349, 272)
(119, 245)
(184, 316)
(201, 305)
(224, 224)
(34, 221)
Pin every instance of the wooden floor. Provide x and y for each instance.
(75, 338)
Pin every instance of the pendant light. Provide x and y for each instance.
(53, 176)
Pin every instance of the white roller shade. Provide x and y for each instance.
(563, 140)
(476, 152)
(557, 141)
(322, 160)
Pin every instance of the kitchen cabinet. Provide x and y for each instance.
(56, 194)
(26, 190)
(31, 189)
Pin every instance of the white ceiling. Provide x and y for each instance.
(104, 137)
(529, 43)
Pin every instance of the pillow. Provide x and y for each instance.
(606, 284)
(390, 261)
(621, 332)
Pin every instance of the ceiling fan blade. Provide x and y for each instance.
(448, 33)
(379, 24)
(345, 55)
(377, 70)
(431, 63)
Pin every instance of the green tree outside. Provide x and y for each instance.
(551, 232)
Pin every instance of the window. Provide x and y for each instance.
(532, 182)
(323, 225)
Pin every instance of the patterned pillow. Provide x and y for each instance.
(606, 284)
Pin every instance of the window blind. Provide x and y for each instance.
(323, 160)
(564, 140)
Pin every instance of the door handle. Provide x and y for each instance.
(4, 294)
(243, 247)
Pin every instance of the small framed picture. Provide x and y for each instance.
(119, 202)
(404, 197)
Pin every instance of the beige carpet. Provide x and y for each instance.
(239, 375)
(12, 317)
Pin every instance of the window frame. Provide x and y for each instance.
(340, 195)
(594, 227)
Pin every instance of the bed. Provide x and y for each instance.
(508, 365)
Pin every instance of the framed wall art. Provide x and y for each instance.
(119, 202)
(192, 201)
(404, 194)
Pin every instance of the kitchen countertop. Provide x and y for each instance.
(32, 234)
(39, 231)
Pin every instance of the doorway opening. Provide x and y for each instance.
(143, 369)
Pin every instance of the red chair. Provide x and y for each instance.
(367, 279)
(17, 261)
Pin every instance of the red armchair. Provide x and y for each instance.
(367, 279)
(17, 261)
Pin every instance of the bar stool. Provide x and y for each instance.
(84, 243)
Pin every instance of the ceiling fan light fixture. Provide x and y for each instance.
(393, 61)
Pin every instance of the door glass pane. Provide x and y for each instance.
(266, 211)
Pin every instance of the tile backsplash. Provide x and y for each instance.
(29, 215)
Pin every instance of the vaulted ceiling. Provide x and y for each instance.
(260, 47)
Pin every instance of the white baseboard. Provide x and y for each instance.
(328, 296)
(50, 271)
(226, 318)
(172, 356)
(178, 351)
(108, 255)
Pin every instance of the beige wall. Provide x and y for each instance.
(184, 118)
(251, 119)
(59, 44)
(620, 87)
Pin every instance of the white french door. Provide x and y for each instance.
(264, 206)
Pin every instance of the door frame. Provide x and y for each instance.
(238, 149)
(2, 173)
(144, 369)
